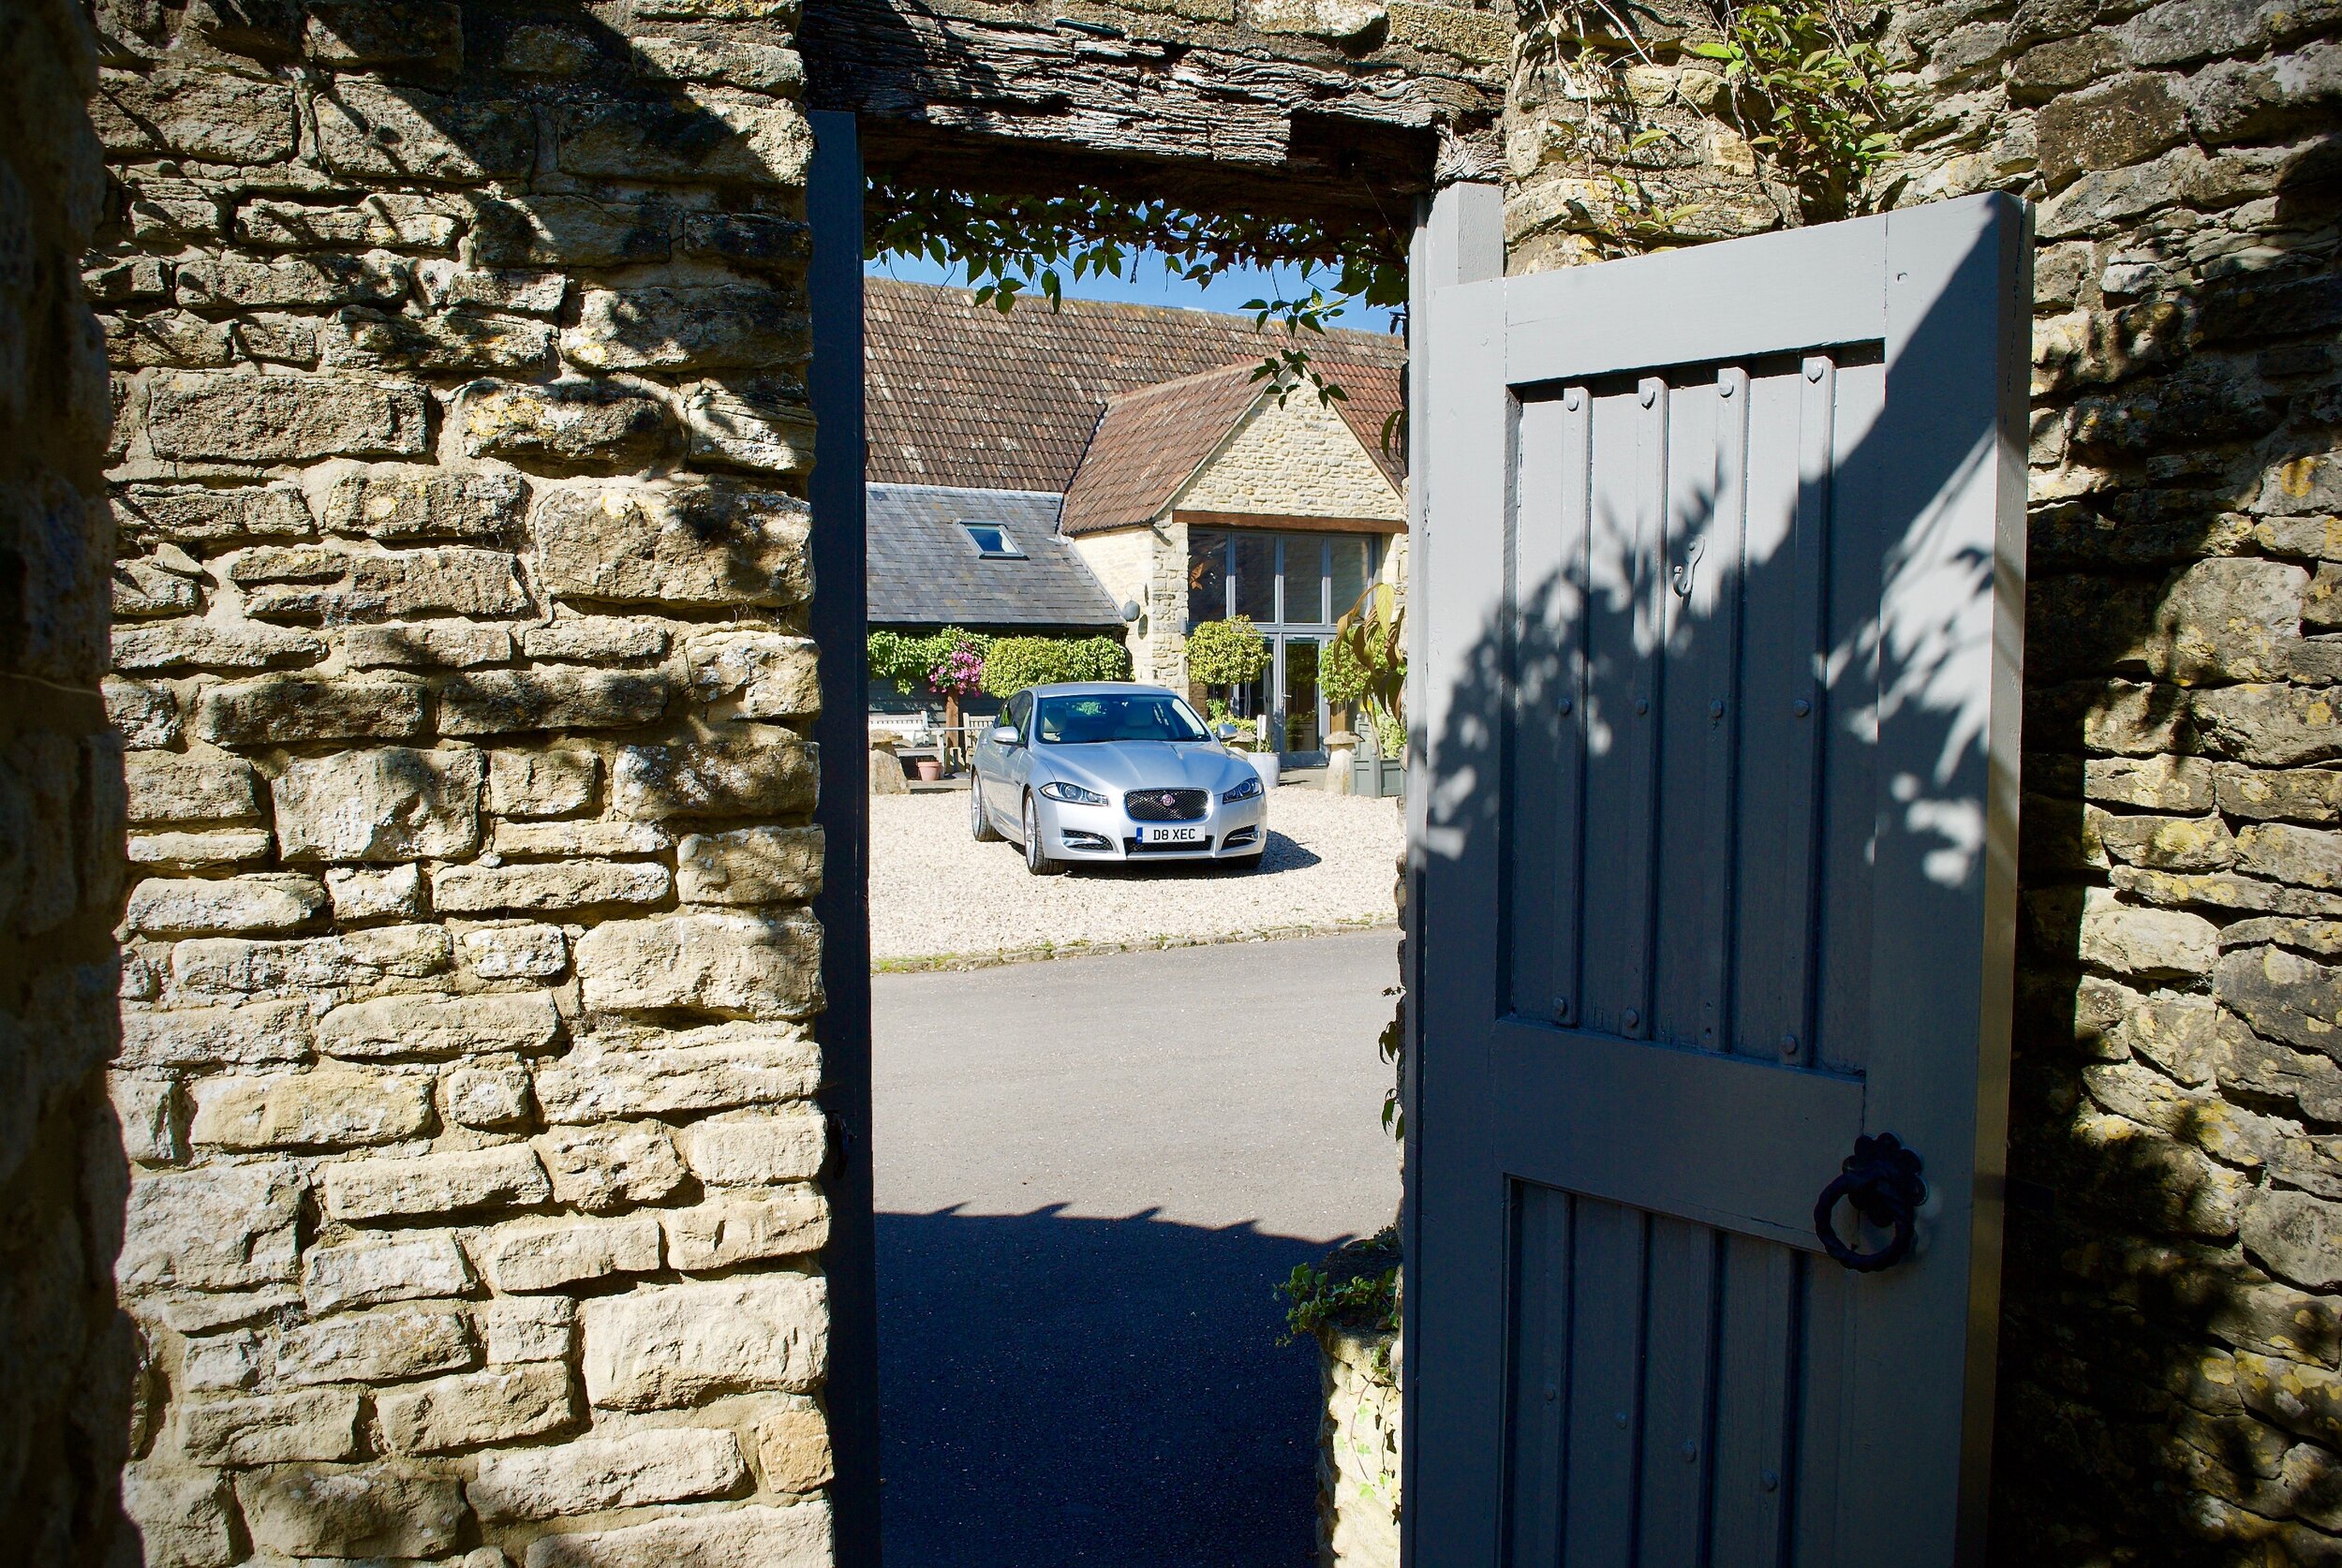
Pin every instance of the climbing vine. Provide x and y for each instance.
(1815, 95)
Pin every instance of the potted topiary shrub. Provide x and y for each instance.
(1223, 656)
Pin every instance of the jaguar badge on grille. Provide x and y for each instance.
(1170, 801)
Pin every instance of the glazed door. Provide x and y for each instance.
(1719, 587)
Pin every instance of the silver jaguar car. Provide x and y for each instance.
(1114, 773)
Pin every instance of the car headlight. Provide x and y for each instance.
(1246, 790)
(1072, 794)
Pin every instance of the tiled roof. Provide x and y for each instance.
(924, 571)
(1149, 441)
(957, 393)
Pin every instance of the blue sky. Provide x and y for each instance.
(1153, 285)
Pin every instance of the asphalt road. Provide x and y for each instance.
(1090, 1173)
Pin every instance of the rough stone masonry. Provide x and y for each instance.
(459, 594)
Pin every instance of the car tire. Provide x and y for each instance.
(1037, 860)
(980, 826)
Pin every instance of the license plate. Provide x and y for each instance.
(1171, 835)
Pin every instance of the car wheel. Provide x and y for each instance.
(1036, 860)
(980, 826)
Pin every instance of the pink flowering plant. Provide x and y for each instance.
(959, 672)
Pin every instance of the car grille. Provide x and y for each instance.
(1201, 847)
(1166, 806)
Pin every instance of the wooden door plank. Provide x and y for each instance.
(1821, 1467)
(1540, 1376)
(1606, 1363)
(1678, 1322)
(1755, 1361)
(1541, 837)
(1622, 571)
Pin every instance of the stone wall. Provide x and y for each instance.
(459, 371)
(1297, 458)
(1357, 1448)
(2173, 1298)
(65, 1354)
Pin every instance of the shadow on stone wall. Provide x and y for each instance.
(1070, 1390)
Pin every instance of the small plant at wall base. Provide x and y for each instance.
(1370, 1300)
(1014, 663)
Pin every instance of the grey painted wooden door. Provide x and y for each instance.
(1722, 564)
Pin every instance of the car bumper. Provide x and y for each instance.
(1107, 833)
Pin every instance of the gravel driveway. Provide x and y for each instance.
(935, 892)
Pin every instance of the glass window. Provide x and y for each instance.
(1305, 579)
(1256, 576)
(1207, 575)
(992, 541)
(1103, 718)
(1349, 574)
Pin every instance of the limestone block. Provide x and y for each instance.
(507, 1176)
(310, 582)
(610, 1166)
(542, 783)
(757, 1536)
(596, 1473)
(522, 1328)
(535, 50)
(448, 286)
(450, 342)
(168, 338)
(278, 339)
(145, 716)
(398, 504)
(383, 804)
(749, 866)
(486, 1096)
(136, 277)
(784, 11)
(549, 888)
(2234, 619)
(553, 230)
(2110, 125)
(2304, 857)
(312, 1424)
(519, 950)
(2184, 784)
(721, 1068)
(2178, 1033)
(360, 895)
(222, 1228)
(181, 1516)
(753, 241)
(2283, 996)
(328, 1106)
(739, 1228)
(313, 282)
(143, 589)
(180, 787)
(570, 423)
(360, 33)
(208, 116)
(726, 136)
(767, 674)
(668, 1346)
(703, 327)
(223, 1362)
(741, 773)
(387, 1346)
(752, 1149)
(758, 68)
(546, 1255)
(508, 701)
(735, 965)
(258, 1034)
(687, 545)
(276, 710)
(473, 1409)
(427, 1025)
(196, 906)
(225, 415)
(358, 1510)
(767, 435)
(2280, 1321)
(887, 773)
(2299, 1237)
(152, 514)
(2128, 940)
(792, 1446)
(213, 645)
(595, 639)
(148, 1112)
(412, 1265)
(370, 128)
(575, 839)
(394, 220)
(2309, 485)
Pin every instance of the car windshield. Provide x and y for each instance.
(1142, 715)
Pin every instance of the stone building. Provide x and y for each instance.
(472, 1003)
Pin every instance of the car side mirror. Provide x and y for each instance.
(1002, 734)
(1225, 732)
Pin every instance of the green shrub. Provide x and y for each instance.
(1013, 663)
(914, 661)
(1227, 652)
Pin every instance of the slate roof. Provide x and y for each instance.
(956, 394)
(924, 570)
(1149, 441)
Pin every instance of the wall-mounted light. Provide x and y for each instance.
(1130, 609)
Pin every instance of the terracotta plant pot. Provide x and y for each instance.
(929, 770)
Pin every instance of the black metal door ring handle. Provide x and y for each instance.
(1881, 1179)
